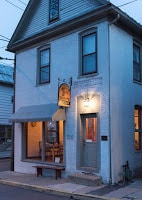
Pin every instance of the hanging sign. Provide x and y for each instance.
(64, 95)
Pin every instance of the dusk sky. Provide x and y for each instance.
(12, 10)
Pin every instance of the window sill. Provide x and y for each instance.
(137, 82)
(53, 21)
(87, 75)
(42, 84)
(42, 162)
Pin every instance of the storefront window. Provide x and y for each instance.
(43, 141)
(52, 132)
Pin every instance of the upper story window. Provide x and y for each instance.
(136, 63)
(44, 66)
(88, 53)
(53, 10)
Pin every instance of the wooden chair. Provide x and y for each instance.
(48, 151)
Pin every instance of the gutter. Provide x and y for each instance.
(115, 19)
(13, 124)
(108, 12)
(10, 84)
(62, 28)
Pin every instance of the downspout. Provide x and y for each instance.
(13, 124)
(111, 177)
(115, 19)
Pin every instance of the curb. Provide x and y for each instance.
(56, 192)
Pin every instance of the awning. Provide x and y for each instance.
(59, 115)
(35, 113)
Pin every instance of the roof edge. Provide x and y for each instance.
(108, 11)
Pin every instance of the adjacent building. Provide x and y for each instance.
(6, 102)
(78, 88)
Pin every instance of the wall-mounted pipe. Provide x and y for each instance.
(115, 19)
(111, 179)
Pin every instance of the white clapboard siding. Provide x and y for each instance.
(68, 9)
(6, 108)
(74, 8)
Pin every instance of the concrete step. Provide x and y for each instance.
(138, 173)
(85, 179)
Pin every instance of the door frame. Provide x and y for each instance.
(81, 110)
(88, 147)
(84, 144)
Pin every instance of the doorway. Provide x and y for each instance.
(89, 140)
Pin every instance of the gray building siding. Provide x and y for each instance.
(68, 9)
(6, 93)
(38, 21)
(71, 9)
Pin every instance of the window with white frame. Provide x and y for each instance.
(53, 10)
(44, 66)
(88, 53)
(136, 63)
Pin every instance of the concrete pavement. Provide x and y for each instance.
(64, 187)
(50, 185)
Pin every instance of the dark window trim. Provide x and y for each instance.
(51, 20)
(139, 64)
(81, 35)
(39, 66)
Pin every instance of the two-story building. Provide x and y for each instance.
(6, 104)
(78, 88)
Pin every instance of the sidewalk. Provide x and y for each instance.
(64, 187)
(49, 184)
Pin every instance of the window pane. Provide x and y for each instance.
(44, 57)
(5, 133)
(52, 132)
(136, 54)
(136, 119)
(44, 74)
(91, 129)
(53, 10)
(136, 63)
(45, 144)
(138, 127)
(89, 64)
(137, 141)
(44, 68)
(137, 72)
(89, 44)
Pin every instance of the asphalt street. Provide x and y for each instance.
(15, 193)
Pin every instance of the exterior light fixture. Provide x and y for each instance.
(86, 102)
